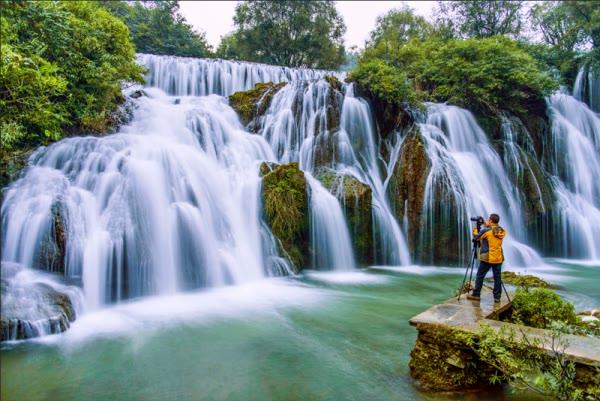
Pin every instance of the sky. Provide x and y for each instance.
(215, 18)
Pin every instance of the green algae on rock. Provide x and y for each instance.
(284, 192)
(254, 102)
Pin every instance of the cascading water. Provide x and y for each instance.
(575, 163)
(587, 87)
(483, 186)
(169, 203)
(302, 124)
(200, 77)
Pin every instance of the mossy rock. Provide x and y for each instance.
(254, 102)
(333, 82)
(266, 167)
(356, 199)
(441, 360)
(525, 280)
(285, 201)
(54, 308)
(407, 184)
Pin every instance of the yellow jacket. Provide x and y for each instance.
(490, 238)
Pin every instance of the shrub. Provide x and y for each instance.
(384, 81)
(62, 68)
(541, 307)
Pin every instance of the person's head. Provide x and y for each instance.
(494, 218)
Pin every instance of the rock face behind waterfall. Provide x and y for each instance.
(285, 203)
(356, 200)
(407, 185)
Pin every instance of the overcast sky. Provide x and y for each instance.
(216, 17)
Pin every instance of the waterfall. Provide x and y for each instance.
(318, 127)
(483, 185)
(183, 76)
(329, 234)
(575, 164)
(587, 87)
(171, 202)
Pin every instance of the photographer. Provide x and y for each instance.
(490, 256)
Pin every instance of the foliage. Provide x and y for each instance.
(384, 81)
(397, 28)
(518, 360)
(481, 18)
(156, 27)
(288, 33)
(571, 33)
(540, 308)
(62, 68)
(229, 48)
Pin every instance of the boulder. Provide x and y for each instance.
(31, 306)
(254, 103)
(356, 200)
(285, 203)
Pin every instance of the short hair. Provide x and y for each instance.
(494, 218)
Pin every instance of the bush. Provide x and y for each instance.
(488, 74)
(384, 81)
(62, 68)
(540, 308)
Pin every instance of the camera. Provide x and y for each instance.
(479, 221)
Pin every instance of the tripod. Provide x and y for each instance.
(470, 268)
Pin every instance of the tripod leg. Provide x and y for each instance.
(506, 292)
(462, 286)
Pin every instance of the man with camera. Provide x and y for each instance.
(490, 255)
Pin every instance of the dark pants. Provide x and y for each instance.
(482, 270)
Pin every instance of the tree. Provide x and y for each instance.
(62, 68)
(481, 18)
(157, 27)
(397, 27)
(290, 33)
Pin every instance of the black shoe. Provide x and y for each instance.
(496, 300)
(473, 297)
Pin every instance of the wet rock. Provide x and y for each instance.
(407, 184)
(442, 361)
(53, 250)
(356, 200)
(285, 203)
(254, 103)
(266, 167)
(31, 307)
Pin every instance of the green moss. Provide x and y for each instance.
(356, 198)
(254, 102)
(334, 82)
(525, 280)
(286, 210)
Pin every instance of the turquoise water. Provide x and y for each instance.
(322, 336)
